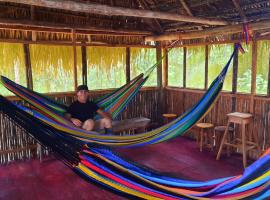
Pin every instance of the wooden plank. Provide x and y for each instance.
(100, 9)
(28, 68)
(225, 30)
(84, 65)
(127, 64)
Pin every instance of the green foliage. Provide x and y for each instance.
(106, 67)
(244, 82)
(219, 55)
(175, 67)
(12, 64)
(244, 69)
(141, 59)
(52, 68)
(263, 56)
(195, 67)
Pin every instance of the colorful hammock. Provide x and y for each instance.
(100, 165)
(177, 127)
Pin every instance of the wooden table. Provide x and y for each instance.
(243, 119)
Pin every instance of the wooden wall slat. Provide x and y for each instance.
(223, 106)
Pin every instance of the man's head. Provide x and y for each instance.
(82, 93)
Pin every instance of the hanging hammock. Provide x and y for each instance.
(100, 165)
(177, 127)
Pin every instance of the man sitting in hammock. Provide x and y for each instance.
(81, 112)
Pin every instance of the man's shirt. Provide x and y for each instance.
(83, 111)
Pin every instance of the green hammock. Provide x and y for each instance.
(177, 127)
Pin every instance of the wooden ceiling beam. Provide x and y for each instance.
(239, 10)
(154, 22)
(41, 26)
(210, 32)
(185, 6)
(114, 11)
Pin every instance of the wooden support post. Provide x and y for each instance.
(34, 33)
(28, 67)
(159, 67)
(268, 86)
(159, 79)
(185, 68)
(75, 59)
(127, 64)
(234, 81)
(84, 65)
(206, 68)
(253, 74)
(165, 69)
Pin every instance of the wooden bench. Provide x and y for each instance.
(130, 126)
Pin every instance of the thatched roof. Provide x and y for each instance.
(128, 21)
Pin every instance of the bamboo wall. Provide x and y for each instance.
(15, 144)
(180, 100)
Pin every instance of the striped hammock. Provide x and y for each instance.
(99, 164)
(180, 125)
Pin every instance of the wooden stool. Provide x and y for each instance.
(168, 117)
(218, 134)
(204, 127)
(242, 119)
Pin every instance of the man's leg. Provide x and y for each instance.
(88, 125)
(106, 123)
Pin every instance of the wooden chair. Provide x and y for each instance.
(204, 137)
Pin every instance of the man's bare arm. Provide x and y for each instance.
(104, 114)
(75, 121)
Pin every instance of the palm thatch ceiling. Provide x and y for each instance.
(135, 17)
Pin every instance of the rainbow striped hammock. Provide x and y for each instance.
(47, 113)
(98, 164)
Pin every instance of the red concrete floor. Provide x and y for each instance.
(51, 179)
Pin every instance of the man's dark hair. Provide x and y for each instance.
(82, 87)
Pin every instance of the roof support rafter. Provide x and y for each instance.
(114, 11)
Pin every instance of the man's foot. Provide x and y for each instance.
(108, 131)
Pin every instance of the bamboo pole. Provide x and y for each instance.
(127, 64)
(234, 82)
(74, 59)
(100, 9)
(165, 68)
(41, 26)
(206, 68)
(84, 65)
(28, 67)
(185, 68)
(210, 32)
(159, 67)
(253, 75)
